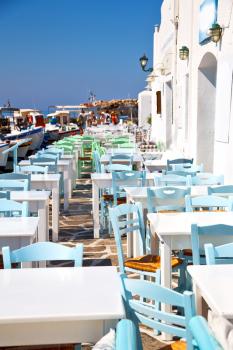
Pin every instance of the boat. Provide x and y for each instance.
(61, 124)
(17, 124)
(3, 157)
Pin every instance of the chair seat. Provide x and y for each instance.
(177, 345)
(149, 263)
(189, 252)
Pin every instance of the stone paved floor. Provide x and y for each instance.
(76, 225)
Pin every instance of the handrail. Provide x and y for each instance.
(14, 148)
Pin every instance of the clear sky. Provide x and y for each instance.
(56, 51)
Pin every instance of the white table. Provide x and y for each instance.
(174, 233)
(38, 202)
(49, 182)
(137, 160)
(17, 232)
(101, 181)
(58, 305)
(65, 167)
(214, 283)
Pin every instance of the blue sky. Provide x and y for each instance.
(56, 51)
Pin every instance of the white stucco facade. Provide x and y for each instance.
(196, 94)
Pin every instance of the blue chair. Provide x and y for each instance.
(118, 158)
(117, 167)
(208, 231)
(143, 311)
(166, 198)
(225, 191)
(180, 172)
(207, 203)
(126, 179)
(203, 336)
(16, 176)
(47, 154)
(188, 167)
(171, 162)
(172, 180)
(9, 208)
(42, 251)
(14, 185)
(97, 163)
(50, 162)
(207, 179)
(126, 337)
(222, 254)
(128, 219)
(33, 169)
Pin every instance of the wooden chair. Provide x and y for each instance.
(225, 191)
(14, 185)
(207, 179)
(188, 167)
(203, 336)
(33, 169)
(209, 231)
(126, 337)
(9, 208)
(172, 180)
(42, 251)
(143, 311)
(208, 203)
(117, 167)
(50, 162)
(180, 172)
(18, 177)
(171, 162)
(118, 158)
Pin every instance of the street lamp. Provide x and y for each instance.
(184, 53)
(215, 32)
(143, 61)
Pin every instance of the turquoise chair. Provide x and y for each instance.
(203, 336)
(226, 190)
(118, 158)
(126, 179)
(207, 179)
(222, 254)
(208, 231)
(143, 311)
(48, 155)
(17, 176)
(117, 167)
(168, 198)
(188, 167)
(46, 161)
(172, 162)
(172, 180)
(42, 251)
(207, 203)
(9, 208)
(180, 172)
(33, 169)
(14, 185)
(97, 163)
(126, 337)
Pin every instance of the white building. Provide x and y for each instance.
(191, 104)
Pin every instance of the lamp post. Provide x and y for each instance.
(184, 53)
(215, 32)
(143, 62)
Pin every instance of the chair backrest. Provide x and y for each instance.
(9, 208)
(171, 162)
(188, 167)
(117, 167)
(222, 254)
(42, 251)
(126, 337)
(48, 155)
(172, 180)
(17, 176)
(141, 310)
(54, 150)
(208, 203)
(202, 334)
(166, 198)
(209, 232)
(118, 158)
(33, 169)
(122, 224)
(207, 179)
(180, 172)
(126, 179)
(46, 161)
(97, 162)
(14, 185)
(226, 190)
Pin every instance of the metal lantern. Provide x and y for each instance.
(143, 61)
(184, 53)
(215, 32)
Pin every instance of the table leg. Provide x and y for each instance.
(198, 299)
(66, 189)
(55, 213)
(43, 221)
(165, 248)
(95, 209)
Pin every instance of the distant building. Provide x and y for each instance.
(191, 107)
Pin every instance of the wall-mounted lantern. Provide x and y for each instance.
(215, 32)
(143, 62)
(184, 53)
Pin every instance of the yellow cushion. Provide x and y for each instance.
(149, 263)
(178, 345)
